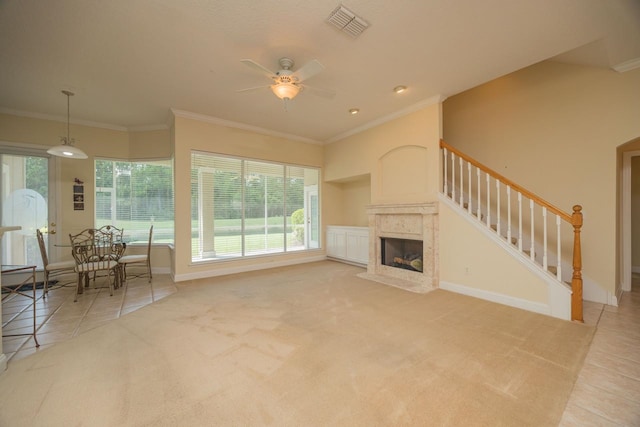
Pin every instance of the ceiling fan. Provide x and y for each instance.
(286, 82)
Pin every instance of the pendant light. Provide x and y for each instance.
(66, 149)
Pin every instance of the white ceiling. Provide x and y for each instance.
(130, 62)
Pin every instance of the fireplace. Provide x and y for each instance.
(403, 246)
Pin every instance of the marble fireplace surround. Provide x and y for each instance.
(404, 221)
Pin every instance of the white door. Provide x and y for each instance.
(25, 193)
(312, 223)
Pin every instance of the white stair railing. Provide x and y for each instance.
(462, 192)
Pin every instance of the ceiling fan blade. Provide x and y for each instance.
(249, 89)
(308, 70)
(257, 67)
(325, 93)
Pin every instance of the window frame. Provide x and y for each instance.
(286, 250)
(142, 233)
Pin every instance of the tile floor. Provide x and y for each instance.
(607, 392)
(58, 318)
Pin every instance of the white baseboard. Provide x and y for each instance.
(223, 271)
(535, 307)
(614, 299)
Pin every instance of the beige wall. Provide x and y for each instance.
(154, 144)
(400, 156)
(350, 201)
(331, 200)
(468, 258)
(191, 134)
(554, 129)
(356, 196)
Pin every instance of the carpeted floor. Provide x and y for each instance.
(305, 345)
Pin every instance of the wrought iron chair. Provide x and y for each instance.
(52, 269)
(117, 233)
(138, 259)
(119, 246)
(93, 251)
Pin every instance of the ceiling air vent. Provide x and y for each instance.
(347, 21)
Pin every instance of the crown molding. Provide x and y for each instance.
(437, 99)
(242, 126)
(148, 128)
(629, 65)
(63, 119)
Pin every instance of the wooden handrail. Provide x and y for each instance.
(564, 215)
(575, 219)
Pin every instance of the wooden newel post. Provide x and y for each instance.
(576, 279)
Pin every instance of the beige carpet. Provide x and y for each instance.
(302, 346)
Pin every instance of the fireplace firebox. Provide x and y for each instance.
(401, 253)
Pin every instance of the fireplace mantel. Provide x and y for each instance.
(404, 221)
(414, 208)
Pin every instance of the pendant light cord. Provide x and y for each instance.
(69, 94)
(68, 119)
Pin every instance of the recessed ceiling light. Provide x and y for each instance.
(399, 89)
(354, 111)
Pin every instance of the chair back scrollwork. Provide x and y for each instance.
(94, 250)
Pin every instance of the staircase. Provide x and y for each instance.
(548, 237)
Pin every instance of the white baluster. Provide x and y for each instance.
(488, 200)
(498, 212)
(532, 216)
(453, 176)
(470, 191)
(520, 221)
(544, 239)
(509, 214)
(461, 183)
(559, 257)
(478, 213)
(446, 175)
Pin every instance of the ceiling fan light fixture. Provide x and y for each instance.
(66, 149)
(354, 111)
(285, 90)
(399, 89)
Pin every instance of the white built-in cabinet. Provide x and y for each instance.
(348, 243)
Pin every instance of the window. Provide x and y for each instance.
(134, 196)
(243, 207)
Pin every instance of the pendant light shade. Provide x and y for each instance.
(66, 149)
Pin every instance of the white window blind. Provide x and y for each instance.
(243, 207)
(134, 196)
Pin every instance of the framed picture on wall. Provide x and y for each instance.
(78, 197)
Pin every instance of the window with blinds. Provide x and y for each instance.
(134, 196)
(242, 207)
